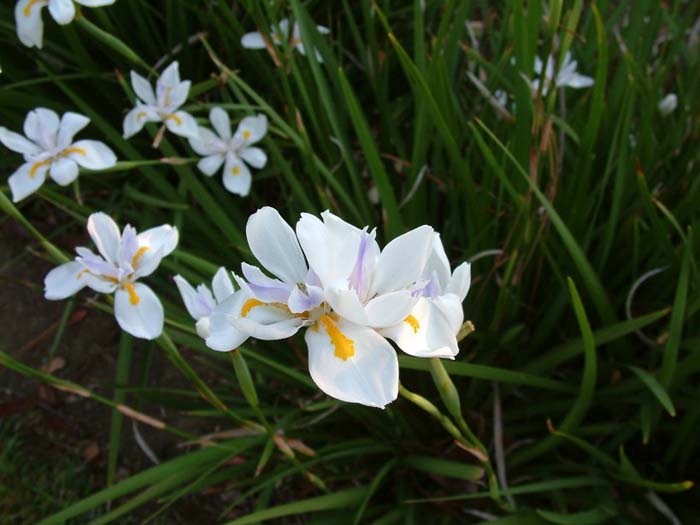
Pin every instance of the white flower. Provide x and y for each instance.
(200, 302)
(668, 104)
(233, 152)
(431, 328)
(346, 298)
(256, 40)
(123, 259)
(161, 105)
(49, 149)
(30, 27)
(566, 76)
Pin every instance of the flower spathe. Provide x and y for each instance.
(162, 105)
(333, 280)
(30, 26)
(123, 259)
(200, 302)
(48, 149)
(281, 32)
(567, 76)
(235, 152)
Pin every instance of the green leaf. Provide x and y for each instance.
(656, 388)
(587, 517)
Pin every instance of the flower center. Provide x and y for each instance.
(246, 134)
(28, 7)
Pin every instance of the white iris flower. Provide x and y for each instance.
(200, 302)
(123, 259)
(235, 152)
(281, 32)
(49, 149)
(30, 27)
(161, 105)
(332, 279)
(567, 76)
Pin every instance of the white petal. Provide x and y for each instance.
(389, 309)
(64, 171)
(223, 337)
(370, 376)
(304, 300)
(41, 126)
(137, 118)
(17, 142)
(266, 288)
(170, 77)
(437, 262)
(211, 164)
(23, 184)
(323, 30)
(71, 123)
(451, 307)
(202, 326)
(143, 89)
(219, 119)
(161, 238)
(253, 40)
(179, 94)
(460, 281)
(92, 154)
(274, 244)
(195, 308)
(331, 247)
(402, 260)
(139, 313)
(105, 234)
(426, 333)
(251, 129)
(237, 178)
(62, 11)
(30, 27)
(254, 156)
(578, 81)
(182, 123)
(221, 285)
(64, 281)
(346, 304)
(206, 142)
(98, 284)
(95, 3)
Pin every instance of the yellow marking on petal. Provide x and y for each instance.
(249, 305)
(246, 134)
(110, 279)
(236, 170)
(344, 347)
(140, 115)
(413, 322)
(28, 7)
(137, 256)
(68, 151)
(253, 303)
(37, 165)
(174, 117)
(82, 272)
(133, 296)
(168, 89)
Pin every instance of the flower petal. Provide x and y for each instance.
(402, 260)
(182, 123)
(62, 11)
(105, 234)
(64, 171)
(437, 262)
(143, 89)
(221, 285)
(346, 304)
(389, 309)
(578, 81)
(223, 337)
(451, 307)
(265, 288)
(71, 123)
(22, 183)
(195, 307)
(254, 156)
(17, 142)
(137, 118)
(253, 40)
(306, 299)
(460, 281)
(206, 142)
(30, 27)
(211, 164)
(274, 244)
(370, 376)
(168, 79)
(237, 178)
(163, 238)
(64, 280)
(92, 154)
(139, 312)
(41, 127)
(179, 94)
(222, 124)
(427, 332)
(251, 129)
(95, 3)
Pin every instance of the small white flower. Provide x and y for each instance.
(49, 149)
(233, 152)
(30, 27)
(162, 105)
(200, 302)
(333, 280)
(668, 104)
(123, 259)
(567, 76)
(256, 40)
